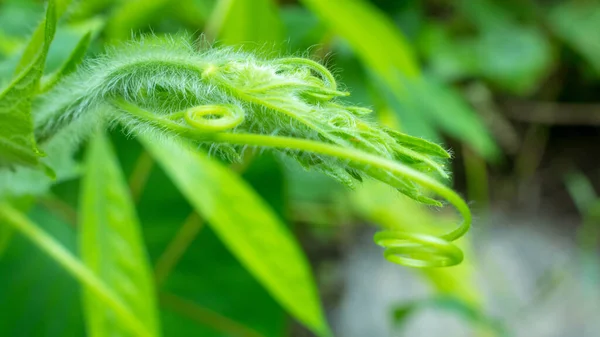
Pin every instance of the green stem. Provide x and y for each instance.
(139, 176)
(358, 157)
(177, 247)
(72, 265)
(206, 316)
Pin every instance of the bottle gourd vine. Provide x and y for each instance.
(226, 101)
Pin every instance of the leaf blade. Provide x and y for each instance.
(111, 244)
(17, 142)
(265, 248)
(70, 65)
(246, 21)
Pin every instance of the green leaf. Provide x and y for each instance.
(576, 22)
(383, 58)
(246, 21)
(111, 245)
(196, 266)
(247, 226)
(71, 63)
(17, 142)
(395, 64)
(35, 52)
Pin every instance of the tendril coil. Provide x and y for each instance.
(418, 250)
(227, 100)
(225, 117)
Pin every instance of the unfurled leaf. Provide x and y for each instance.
(111, 245)
(17, 142)
(247, 226)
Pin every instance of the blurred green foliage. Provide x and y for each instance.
(243, 275)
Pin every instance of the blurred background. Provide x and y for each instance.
(512, 87)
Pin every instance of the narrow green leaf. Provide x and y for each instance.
(395, 64)
(247, 226)
(40, 41)
(246, 21)
(384, 58)
(111, 245)
(70, 65)
(17, 142)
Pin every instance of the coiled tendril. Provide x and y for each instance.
(227, 100)
(418, 250)
(214, 117)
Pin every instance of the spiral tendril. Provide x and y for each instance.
(418, 250)
(224, 117)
